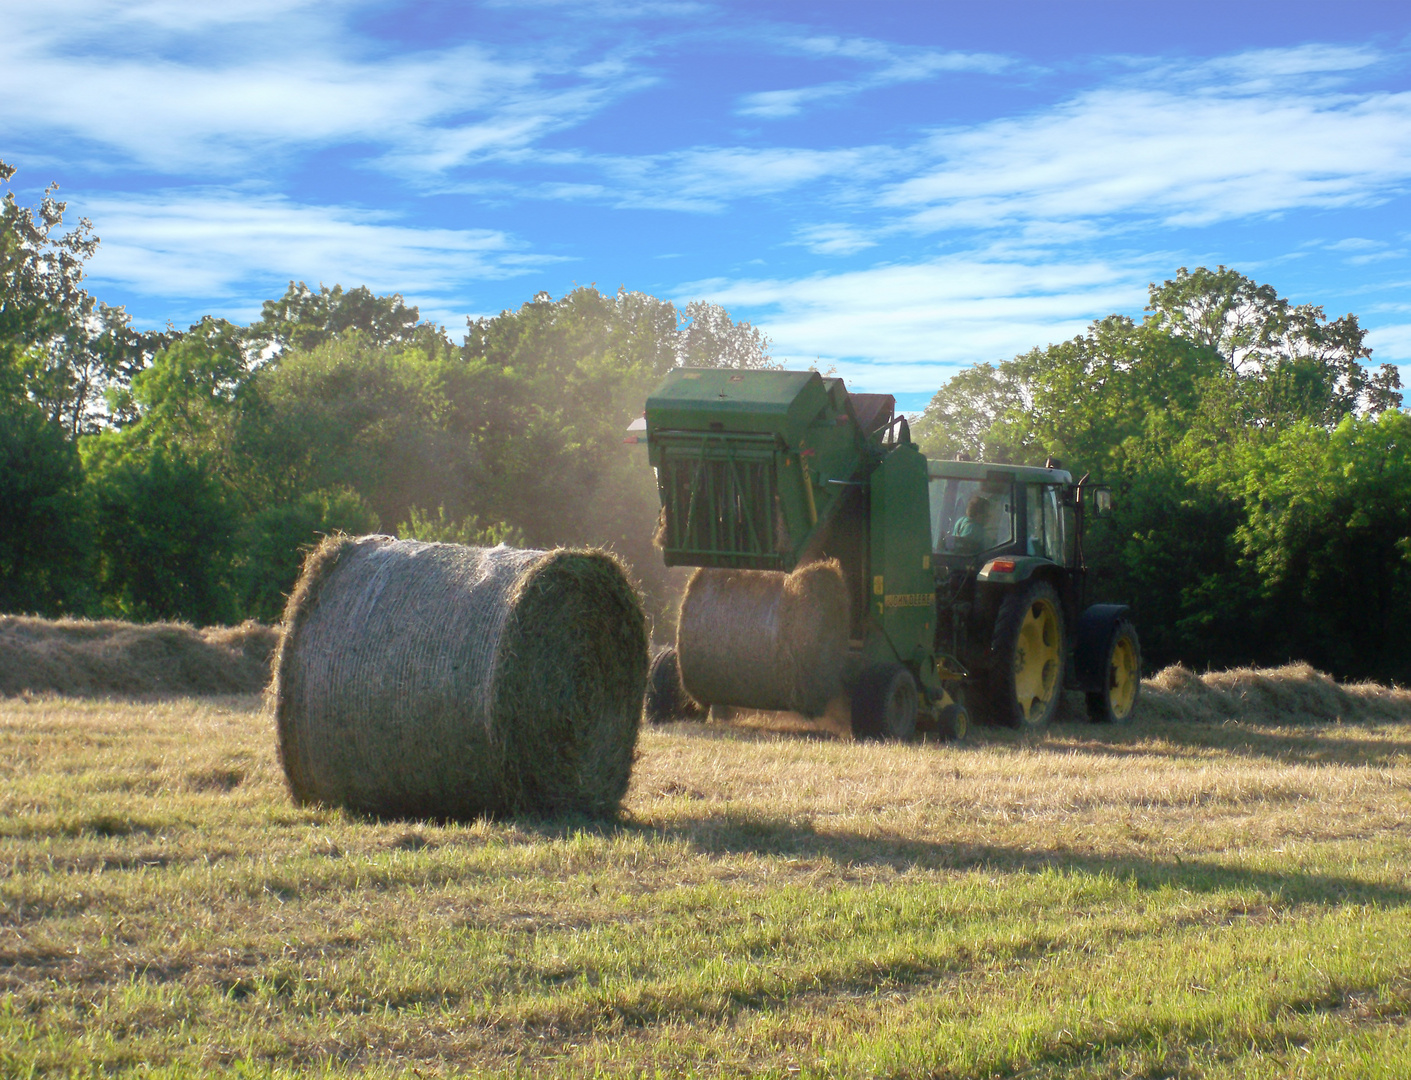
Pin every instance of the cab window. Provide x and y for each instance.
(1045, 521)
(969, 516)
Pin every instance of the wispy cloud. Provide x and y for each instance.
(213, 245)
(891, 65)
(710, 178)
(834, 239)
(1391, 344)
(891, 327)
(1192, 155)
(160, 95)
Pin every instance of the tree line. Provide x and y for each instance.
(1261, 466)
(1262, 471)
(181, 474)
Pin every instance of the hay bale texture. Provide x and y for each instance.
(449, 682)
(760, 639)
(108, 657)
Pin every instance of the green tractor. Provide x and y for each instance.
(965, 581)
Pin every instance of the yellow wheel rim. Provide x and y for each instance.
(1122, 678)
(1037, 661)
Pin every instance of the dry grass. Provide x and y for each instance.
(1201, 898)
(81, 657)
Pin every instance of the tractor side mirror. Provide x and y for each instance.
(1102, 501)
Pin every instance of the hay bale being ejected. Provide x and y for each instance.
(441, 681)
(760, 639)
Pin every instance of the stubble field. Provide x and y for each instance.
(1178, 898)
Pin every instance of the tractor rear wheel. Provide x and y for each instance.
(1027, 658)
(1117, 700)
(667, 699)
(884, 704)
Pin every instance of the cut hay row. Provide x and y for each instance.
(95, 658)
(442, 681)
(1294, 692)
(108, 657)
(1291, 694)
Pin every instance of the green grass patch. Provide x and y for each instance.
(1168, 900)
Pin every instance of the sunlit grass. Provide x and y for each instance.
(1168, 900)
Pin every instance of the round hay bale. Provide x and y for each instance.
(441, 681)
(760, 639)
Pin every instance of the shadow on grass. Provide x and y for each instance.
(741, 834)
(1318, 742)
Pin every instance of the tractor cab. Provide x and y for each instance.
(979, 509)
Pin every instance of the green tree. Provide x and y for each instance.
(59, 347)
(1086, 401)
(188, 397)
(349, 415)
(304, 319)
(45, 535)
(1257, 485)
(1327, 531)
(442, 528)
(165, 530)
(708, 337)
(270, 545)
(1288, 362)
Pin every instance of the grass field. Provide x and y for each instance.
(1174, 899)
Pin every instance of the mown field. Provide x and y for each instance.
(1175, 899)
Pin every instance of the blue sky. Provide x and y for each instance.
(895, 189)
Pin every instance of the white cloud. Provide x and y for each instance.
(198, 98)
(1356, 243)
(834, 239)
(1261, 69)
(1191, 155)
(906, 327)
(892, 65)
(708, 178)
(219, 244)
(1391, 345)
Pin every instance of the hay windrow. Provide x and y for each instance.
(441, 681)
(107, 657)
(760, 639)
(1289, 694)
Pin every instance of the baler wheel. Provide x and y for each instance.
(953, 723)
(1116, 702)
(667, 700)
(884, 704)
(1026, 673)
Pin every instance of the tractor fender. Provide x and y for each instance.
(1091, 639)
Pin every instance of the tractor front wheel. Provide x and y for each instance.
(884, 704)
(1117, 700)
(1027, 657)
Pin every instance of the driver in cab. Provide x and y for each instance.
(970, 529)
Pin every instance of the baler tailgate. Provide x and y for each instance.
(719, 500)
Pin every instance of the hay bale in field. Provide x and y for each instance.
(100, 657)
(760, 639)
(441, 681)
